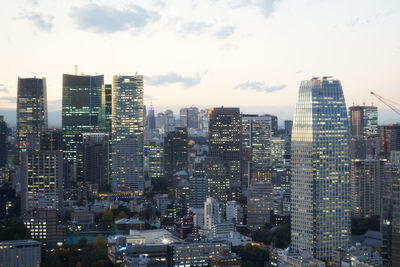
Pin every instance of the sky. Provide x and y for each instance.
(250, 54)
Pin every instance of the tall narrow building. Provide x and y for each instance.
(3, 142)
(127, 134)
(81, 106)
(225, 143)
(95, 159)
(175, 154)
(320, 196)
(31, 112)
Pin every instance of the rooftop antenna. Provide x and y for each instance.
(76, 69)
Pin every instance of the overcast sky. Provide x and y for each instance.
(247, 53)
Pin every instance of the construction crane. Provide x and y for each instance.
(389, 103)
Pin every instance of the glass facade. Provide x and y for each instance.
(127, 134)
(320, 196)
(81, 106)
(31, 112)
(225, 142)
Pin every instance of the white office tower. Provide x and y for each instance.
(212, 213)
(320, 196)
(234, 212)
(127, 134)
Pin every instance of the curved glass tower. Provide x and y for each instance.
(320, 169)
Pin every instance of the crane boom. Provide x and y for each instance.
(386, 102)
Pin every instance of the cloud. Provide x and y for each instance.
(107, 19)
(42, 22)
(267, 7)
(259, 87)
(224, 32)
(193, 27)
(172, 78)
(3, 88)
(7, 102)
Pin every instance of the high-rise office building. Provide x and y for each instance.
(42, 184)
(288, 127)
(218, 179)
(190, 117)
(225, 142)
(105, 120)
(203, 122)
(127, 134)
(31, 112)
(278, 149)
(367, 177)
(95, 156)
(257, 137)
(81, 109)
(175, 154)
(363, 121)
(390, 215)
(389, 139)
(3, 142)
(260, 202)
(274, 124)
(156, 160)
(198, 187)
(363, 124)
(51, 139)
(320, 193)
(256, 142)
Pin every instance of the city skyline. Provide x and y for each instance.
(206, 48)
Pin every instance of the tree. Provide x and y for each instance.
(251, 255)
(99, 243)
(14, 230)
(121, 215)
(108, 216)
(360, 226)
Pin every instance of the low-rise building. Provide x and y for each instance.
(195, 253)
(226, 259)
(16, 253)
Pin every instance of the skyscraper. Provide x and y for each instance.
(389, 139)
(260, 202)
(95, 156)
(81, 106)
(190, 117)
(256, 141)
(156, 160)
(3, 142)
(42, 184)
(320, 195)
(363, 123)
(175, 154)
(367, 177)
(106, 108)
(127, 134)
(225, 142)
(31, 112)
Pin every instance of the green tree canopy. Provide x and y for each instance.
(121, 215)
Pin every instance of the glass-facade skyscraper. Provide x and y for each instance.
(127, 134)
(225, 143)
(31, 112)
(81, 106)
(320, 195)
